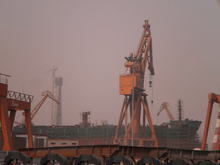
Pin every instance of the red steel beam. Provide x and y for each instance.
(6, 130)
(105, 151)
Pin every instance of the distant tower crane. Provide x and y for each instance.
(54, 105)
(164, 106)
(132, 87)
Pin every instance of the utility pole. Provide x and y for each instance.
(52, 109)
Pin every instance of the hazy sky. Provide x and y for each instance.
(88, 40)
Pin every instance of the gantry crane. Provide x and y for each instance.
(216, 140)
(10, 103)
(34, 111)
(163, 106)
(132, 87)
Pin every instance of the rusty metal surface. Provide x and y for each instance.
(216, 140)
(117, 150)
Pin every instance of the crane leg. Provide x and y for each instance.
(147, 113)
(216, 139)
(120, 120)
(11, 120)
(5, 125)
(28, 125)
(207, 123)
(126, 123)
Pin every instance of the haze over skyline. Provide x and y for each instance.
(88, 40)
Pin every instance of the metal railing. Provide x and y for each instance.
(4, 78)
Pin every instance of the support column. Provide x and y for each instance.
(6, 131)
(11, 121)
(207, 123)
(215, 142)
(147, 113)
(29, 130)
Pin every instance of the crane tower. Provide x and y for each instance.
(54, 105)
(58, 112)
(132, 87)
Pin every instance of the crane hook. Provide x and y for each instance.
(150, 83)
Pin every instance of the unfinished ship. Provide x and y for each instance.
(173, 134)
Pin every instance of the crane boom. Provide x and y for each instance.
(163, 106)
(145, 49)
(45, 94)
(137, 64)
(34, 111)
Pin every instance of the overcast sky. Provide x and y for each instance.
(88, 40)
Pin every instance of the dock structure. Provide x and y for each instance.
(102, 154)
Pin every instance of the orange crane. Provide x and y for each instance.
(216, 140)
(163, 106)
(34, 111)
(132, 87)
(10, 103)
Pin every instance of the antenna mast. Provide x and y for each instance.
(180, 110)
